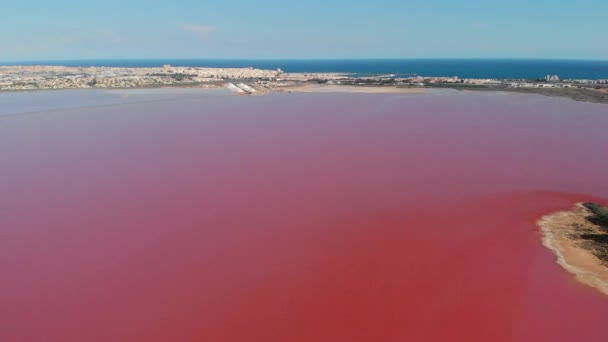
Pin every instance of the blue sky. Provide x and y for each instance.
(261, 29)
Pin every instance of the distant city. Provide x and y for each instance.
(251, 80)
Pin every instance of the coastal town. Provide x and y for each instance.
(61, 77)
(249, 81)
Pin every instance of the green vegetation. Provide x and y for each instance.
(595, 240)
(460, 86)
(182, 77)
(600, 238)
(600, 215)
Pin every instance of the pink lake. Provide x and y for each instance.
(189, 215)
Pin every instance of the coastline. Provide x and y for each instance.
(317, 88)
(558, 230)
(252, 81)
(578, 95)
(159, 86)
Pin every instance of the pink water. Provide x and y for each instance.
(302, 217)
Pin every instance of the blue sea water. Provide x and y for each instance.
(464, 68)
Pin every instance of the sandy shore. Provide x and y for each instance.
(317, 88)
(562, 233)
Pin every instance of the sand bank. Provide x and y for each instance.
(573, 237)
(310, 88)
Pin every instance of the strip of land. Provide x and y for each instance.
(251, 81)
(317, 88)
(579, 239)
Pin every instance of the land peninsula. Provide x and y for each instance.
(579, 239)
(250, 81)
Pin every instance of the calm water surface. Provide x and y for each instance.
(464, 68)
(197, 216)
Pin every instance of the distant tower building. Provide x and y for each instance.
(552, 78)
(167, 66)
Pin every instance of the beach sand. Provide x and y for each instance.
(560, 234)
(310, 88)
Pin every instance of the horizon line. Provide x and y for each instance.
(297, 59)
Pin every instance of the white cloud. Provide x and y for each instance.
(202, 31)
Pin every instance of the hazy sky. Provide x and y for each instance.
(90, 29)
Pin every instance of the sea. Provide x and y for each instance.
(463, 68)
